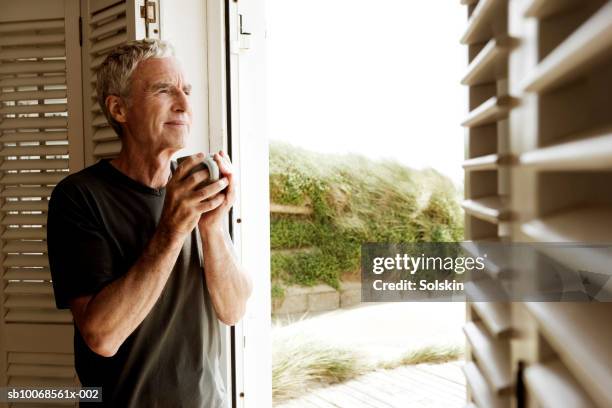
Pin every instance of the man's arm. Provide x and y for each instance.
(228, 283)
(107, 318)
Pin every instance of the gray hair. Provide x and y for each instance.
(114, 76)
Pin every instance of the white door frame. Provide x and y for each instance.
(239, 102)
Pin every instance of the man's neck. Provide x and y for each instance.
(149, 168)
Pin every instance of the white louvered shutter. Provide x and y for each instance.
(50, 126)
(541, 70)
(488, 374)
(41, 141)
(106, 24)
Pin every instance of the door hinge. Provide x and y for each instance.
(148, 12)
(80, 31)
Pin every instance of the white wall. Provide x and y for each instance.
(183, 23)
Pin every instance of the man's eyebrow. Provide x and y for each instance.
(161, 85)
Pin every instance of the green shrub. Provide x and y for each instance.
(354, 200)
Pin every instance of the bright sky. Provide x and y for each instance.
(377, 77)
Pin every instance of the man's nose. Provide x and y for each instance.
(181, 102)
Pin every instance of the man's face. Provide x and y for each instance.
(159, 113)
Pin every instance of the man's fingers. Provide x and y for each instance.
(185, 166)
(196, 178)
(230, 194)
(224, 163)
(211, 189)
(211, 204)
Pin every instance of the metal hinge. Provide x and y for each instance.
(148, 12)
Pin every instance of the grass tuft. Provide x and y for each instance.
(433, 354)
(301, 362)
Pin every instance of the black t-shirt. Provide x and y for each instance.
(99, 222)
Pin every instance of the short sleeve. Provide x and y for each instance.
(80, 256)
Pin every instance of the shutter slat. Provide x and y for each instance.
(495, 263)
(29, 288)
(30, 302)
(110, 12)
(108, 43)
(589, 45)
(33, 136)
(27, 274)
(116, 25)
(32, 67)
(486, 162)
(34, 164)
(42, 150)
(100, 120)
(41, 205)
(580, 333)
(25, 39)
(479, 24)
(492, 355)
(496, 316)
(19, 219)
(61, 359)
(32, 95)
(31, 52)
(18, 192)
(24, 233)
(45, 316)
(36, 370)
(31, 25)
(107, 148)
(24, 123)
(39, 108)
(34, 81)
(33, 178)
(96, 62)
(24, 246)
(553, 386)
(480, 391)
(104, 134)
(546, 8)
(491, 209)
(592, 153)
(587, 224)
(45, 382)
(490, 111)
(25, 261)
(489, 65)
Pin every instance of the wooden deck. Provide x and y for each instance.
(420, 386)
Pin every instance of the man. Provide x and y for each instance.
(140, 253)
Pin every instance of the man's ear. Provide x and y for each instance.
(117, 108)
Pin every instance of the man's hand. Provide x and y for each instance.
(184, 205)
(214, 217)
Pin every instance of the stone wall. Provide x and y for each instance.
(319, 298)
